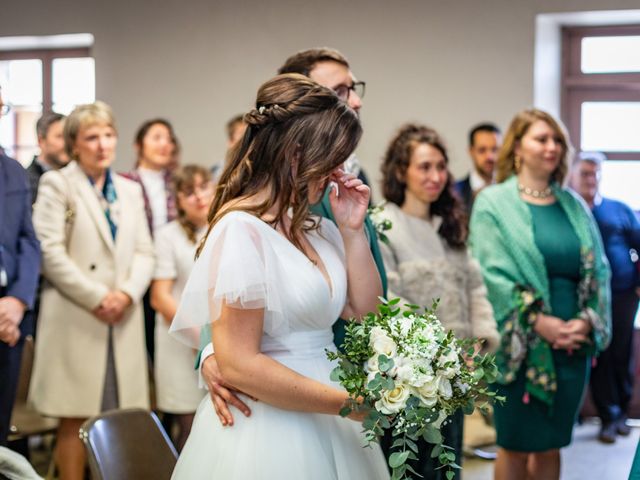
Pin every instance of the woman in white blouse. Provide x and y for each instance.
(426, 257)
(157, 150)
(176, 379)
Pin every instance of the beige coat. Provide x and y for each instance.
(71, 346)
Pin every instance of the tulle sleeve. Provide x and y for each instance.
(238, 267)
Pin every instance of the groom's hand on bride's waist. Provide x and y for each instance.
(221, 395)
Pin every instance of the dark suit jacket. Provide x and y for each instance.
(34, 171)
(463, 187)
(19, 247)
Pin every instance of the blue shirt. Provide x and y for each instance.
(620, 232)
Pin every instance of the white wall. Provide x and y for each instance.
(448, 64)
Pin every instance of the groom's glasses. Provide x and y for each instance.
(344, 91)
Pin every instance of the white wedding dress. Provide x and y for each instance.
(248, 264)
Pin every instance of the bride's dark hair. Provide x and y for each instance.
(298, 133)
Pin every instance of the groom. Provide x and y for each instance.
(330, 69)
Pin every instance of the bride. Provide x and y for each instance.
(270, 280)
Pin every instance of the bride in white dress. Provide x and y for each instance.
(271, 279)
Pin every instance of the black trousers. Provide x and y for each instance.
(612, 378)
(10, 358)
(426, 466)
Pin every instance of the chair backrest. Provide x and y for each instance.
(128, 445)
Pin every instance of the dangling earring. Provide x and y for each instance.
(517, 163)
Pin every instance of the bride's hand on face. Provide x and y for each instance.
(349, 201)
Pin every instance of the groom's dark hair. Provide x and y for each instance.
(305, 61)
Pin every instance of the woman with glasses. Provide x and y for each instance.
(97, 263)
(177, 388)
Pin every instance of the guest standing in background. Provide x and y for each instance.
(97, 263)
(612, 377)
(19, 271)
(52, 154)
(158, 151)
(235, 129)
(484, 142)
(548, 282)
(426, 255)
(176, 379)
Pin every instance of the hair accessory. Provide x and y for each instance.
(262, 109)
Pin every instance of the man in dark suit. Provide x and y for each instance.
(52, 154)
(484, 142)
(19, 272)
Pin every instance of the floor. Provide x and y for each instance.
(585, 459)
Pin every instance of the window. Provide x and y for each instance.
(37, 81)
(601, 102)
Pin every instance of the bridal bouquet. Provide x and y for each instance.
(410, 374)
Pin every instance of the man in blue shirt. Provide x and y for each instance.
(19, 272)
(612, 378)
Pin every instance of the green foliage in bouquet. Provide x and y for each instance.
(379, 221)
(410, 374)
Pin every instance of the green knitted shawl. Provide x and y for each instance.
(501, 238)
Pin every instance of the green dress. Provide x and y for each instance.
(523, 423)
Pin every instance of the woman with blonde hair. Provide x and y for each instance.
(270, 280)
(548, 280)
(177, 390)
(97, 263)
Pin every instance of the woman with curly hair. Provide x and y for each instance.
(426, 256)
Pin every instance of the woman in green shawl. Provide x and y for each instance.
(548, 280)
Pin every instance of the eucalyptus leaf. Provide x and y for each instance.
(398, 458)
(432, 435)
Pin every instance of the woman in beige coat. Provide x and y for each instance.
(98, 261)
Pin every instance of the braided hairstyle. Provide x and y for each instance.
(297, 135)
(183, 180)
(394, 169)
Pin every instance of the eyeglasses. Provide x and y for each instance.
(343, 91)
(5, 108)
(204, 189)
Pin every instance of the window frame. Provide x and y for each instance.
(578, 87)
(46, 56)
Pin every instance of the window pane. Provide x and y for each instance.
(615, 182)
(21, 81)
(610, 126)
(73, 83)
(610, 54)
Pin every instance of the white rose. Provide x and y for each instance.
(382, 344)
(444, 387)
(428, 391)
(404, 371)
(372, 364)
(392, 401)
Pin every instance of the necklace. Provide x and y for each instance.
(541, 194)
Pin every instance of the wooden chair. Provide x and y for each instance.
(25, 420)
(128, 445)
